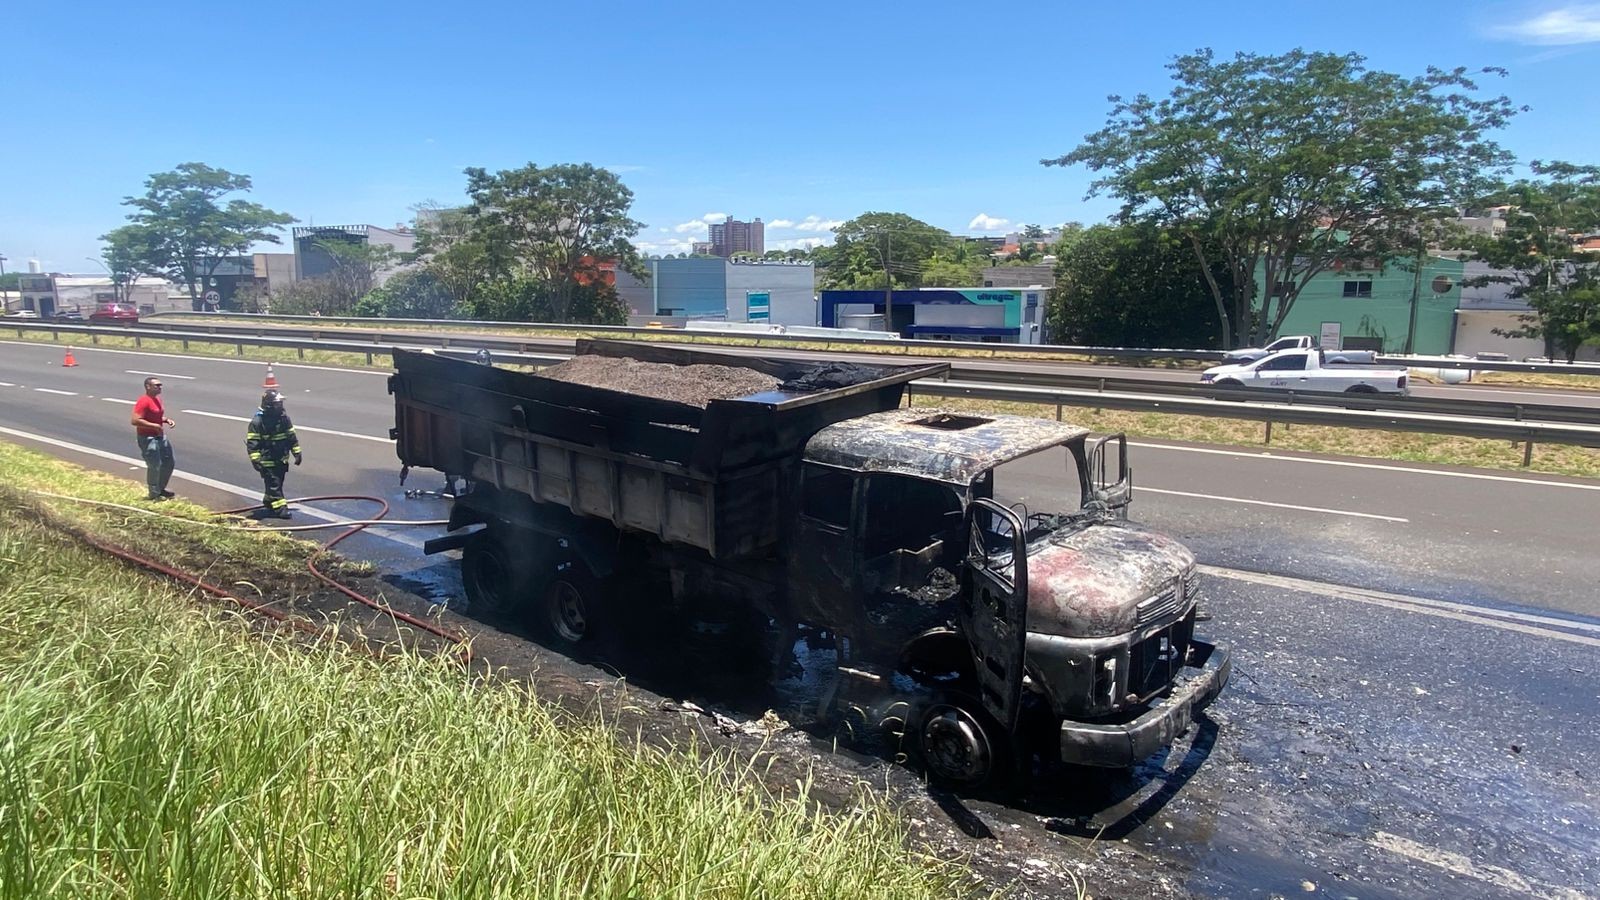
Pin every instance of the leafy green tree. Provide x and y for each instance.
(524, 298)
(1289, 164)
(554, 225)
(1032, 233)
(455, 254)
(1135, 285)
(1535, 257)
(881, 250)
(1027, 254)
(356, 270)
(412, 294)
(132, 252)
(192, 230)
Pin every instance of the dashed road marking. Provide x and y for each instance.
(1532, 624)
(1461, 864)
(1408, 470)
(54, 391)
(159, 374)
(298, 427)
(1315, 509)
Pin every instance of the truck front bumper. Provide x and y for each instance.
(1125, 744)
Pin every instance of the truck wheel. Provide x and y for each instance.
(570, 606)
(1361, 389)
(961, 745)
(496, 582)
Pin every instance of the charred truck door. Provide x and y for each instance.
(822, 559)
(994, 606)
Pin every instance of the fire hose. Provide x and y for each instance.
(353, 527)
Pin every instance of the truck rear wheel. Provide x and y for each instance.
(496, 581)
(961, 745)
(571, 606)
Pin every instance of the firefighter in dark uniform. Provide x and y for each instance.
(271, 441)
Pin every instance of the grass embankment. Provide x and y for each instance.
(153, 748)
(1441, 450)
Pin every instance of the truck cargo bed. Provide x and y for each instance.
(708, 477)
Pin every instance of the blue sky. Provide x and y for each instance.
(802, 114)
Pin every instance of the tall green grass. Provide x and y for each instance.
(148, 749)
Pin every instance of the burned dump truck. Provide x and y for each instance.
(987, 561)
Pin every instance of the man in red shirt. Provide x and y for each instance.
(150, 424)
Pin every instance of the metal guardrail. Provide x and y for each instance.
(331, 326)
(1346, 410)
(1444, 406)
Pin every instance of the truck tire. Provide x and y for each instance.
(961, 745)
(1360, 389)
(570, 606)
(495, 575)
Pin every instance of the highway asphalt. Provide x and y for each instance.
(1417, 647)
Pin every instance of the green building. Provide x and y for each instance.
(1376, 303)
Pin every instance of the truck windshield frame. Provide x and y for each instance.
(1043, 507)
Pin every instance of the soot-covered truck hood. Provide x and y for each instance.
(1088, 583)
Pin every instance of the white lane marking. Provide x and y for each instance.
(6, 384)
(115, 400)
(159, 374)
(347, 434)
(1506, 620)
(1315, 509)
(1248, 454)
(1461, 864)
(212, 483)
(54, 391)
(258, 363)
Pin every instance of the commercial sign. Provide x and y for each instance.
(758, 306)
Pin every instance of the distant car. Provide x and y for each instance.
(114, 314)
(23, 314)
(69, 315)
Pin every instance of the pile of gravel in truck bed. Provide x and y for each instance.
(695, 385)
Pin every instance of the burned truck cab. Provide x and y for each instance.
(990, 558)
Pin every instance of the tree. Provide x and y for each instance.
(414, 294)
(1288, 164)
(455, 254)
(1135, 285)
(191, 231)
(1535, 256)
(553, 224)
(1027, 254)
(878, 249)
(355, 271)
(1032, 233)
(130, 253)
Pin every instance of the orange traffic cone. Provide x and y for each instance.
(69, 362)
(271, 383)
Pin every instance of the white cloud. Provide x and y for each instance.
(805, 243)
(781, 223)
(817, 223)
(661, 248)
(713, 217)
(695, 227)
(986, 222)
(1577, 23)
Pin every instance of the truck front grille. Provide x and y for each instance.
(1154, 662)
(1165, 604)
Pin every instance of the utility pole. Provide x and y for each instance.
(888, 282)
(1416, 294)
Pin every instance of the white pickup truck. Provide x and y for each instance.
(1308, 370)
(1295, 342)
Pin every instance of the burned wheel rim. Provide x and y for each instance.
(568, 611)
(956, 746)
